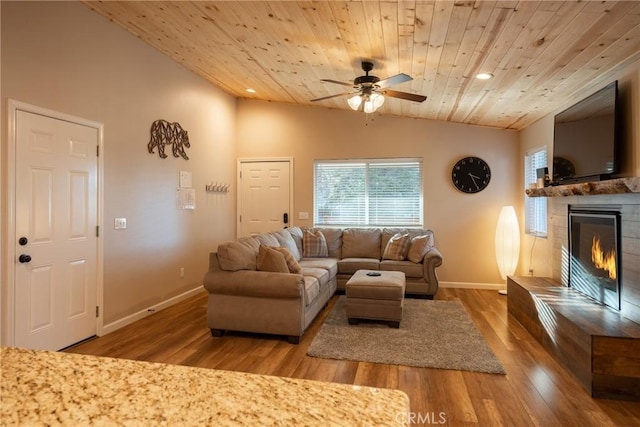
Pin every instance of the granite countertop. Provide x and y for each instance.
(40, 387)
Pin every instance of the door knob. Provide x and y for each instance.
(24, 258)
(23, 241)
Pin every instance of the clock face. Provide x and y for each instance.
(471, 175)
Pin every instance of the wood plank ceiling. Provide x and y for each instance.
(543, 54)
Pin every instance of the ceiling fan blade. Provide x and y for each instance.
(337, 82)
(394, 80)
(404, 95)
(332, 96)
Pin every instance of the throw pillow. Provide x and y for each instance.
(271, 260)
(418, 248)
(292, 263)
(314, 244)
(397, 247)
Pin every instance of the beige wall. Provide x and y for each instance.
(537, 252)
(464, 224)
(63, 57)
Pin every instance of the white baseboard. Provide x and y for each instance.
(472, 285)
(114, 326)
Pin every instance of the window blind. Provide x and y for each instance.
(368, 193)
(535, 207)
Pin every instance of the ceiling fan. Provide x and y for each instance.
(370, 90)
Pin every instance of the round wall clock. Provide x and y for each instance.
(471, 174)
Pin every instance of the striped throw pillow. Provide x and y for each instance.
(397, 247)
(293, 265)
(314, 244)
(418, 248)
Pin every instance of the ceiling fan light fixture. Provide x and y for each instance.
(354, 102)
(378, 100)
(369, 107)
(373, 102)
(368, 93)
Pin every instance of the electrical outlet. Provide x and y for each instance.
(531, 272)
(181, 272)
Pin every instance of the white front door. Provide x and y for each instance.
(265, 196)
(56, 218)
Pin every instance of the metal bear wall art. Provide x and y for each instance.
(164, 133)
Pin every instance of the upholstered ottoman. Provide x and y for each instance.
(375, 297)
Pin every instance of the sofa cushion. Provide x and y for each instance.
(418, 248)
(286, 241)
(292, 264)
(397, 247)
(267, 239)
(296, 234)
(270, 259)
(410, 269)
(333, 236)
(239, 255)
(319, 273)
(314, 244)
(361, 243)
(329, 264)
(311, 289)
(351, 265)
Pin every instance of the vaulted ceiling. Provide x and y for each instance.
(542, 54)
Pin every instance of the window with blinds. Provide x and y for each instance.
(381, 193)
(535, 216)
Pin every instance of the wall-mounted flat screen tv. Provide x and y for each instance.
(585, 138)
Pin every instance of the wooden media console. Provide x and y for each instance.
(596, 343)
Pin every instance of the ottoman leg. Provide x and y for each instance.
(394, 325)
(353, 321)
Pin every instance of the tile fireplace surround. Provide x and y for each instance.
(629, 206)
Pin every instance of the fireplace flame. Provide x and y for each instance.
(602, 260)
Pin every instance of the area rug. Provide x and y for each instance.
(432, 334)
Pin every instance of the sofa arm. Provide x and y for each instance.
(431, 260)
(260, 284)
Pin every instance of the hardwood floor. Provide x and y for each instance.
(537, 390)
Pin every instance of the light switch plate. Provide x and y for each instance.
(303, 215)
(119, 223)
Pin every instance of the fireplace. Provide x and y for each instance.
(594, 262)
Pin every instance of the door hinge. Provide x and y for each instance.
(240, 174)
(97, 311)
(97, 231)
(97, 151)
(240, 218)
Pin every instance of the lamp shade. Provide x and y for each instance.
(354, 102)
(377, 99)
(507, 241)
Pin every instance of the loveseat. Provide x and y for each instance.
(276, 283)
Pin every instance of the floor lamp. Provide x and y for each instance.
(507, 243)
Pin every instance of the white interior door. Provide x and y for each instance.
(265, 196)
(56, 220)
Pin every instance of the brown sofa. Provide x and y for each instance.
(242, 298)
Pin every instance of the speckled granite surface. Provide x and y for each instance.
(39, 387)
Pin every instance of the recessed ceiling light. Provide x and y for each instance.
(484, 76)
(251, 90)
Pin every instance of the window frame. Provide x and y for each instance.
(367, 164)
